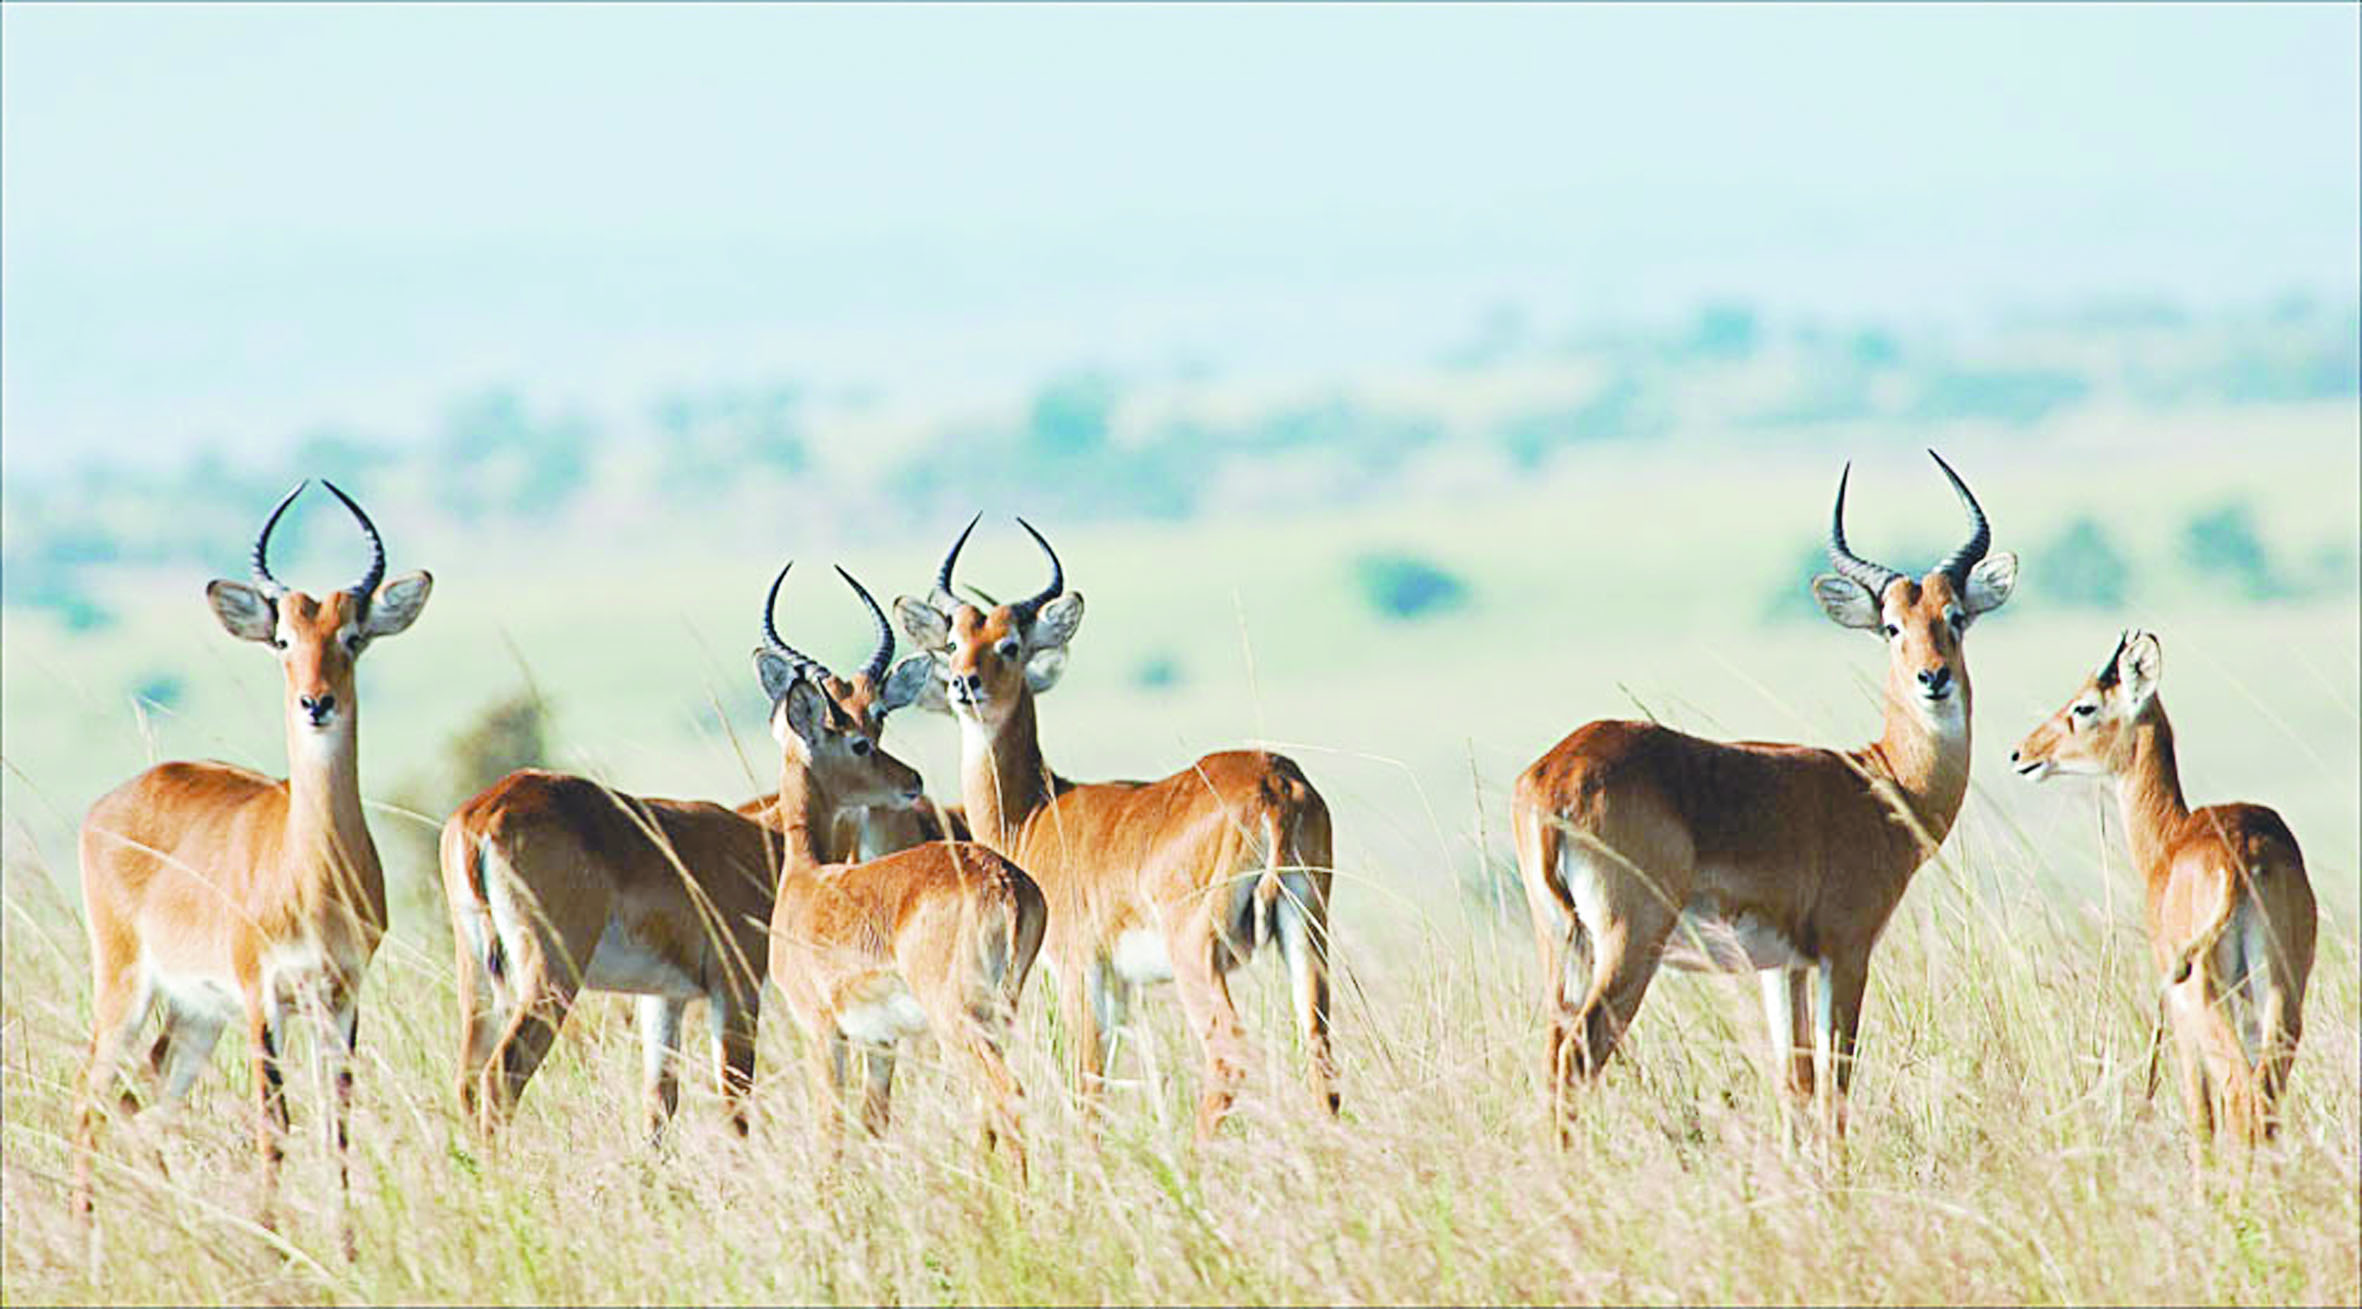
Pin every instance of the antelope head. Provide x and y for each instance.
(318, 641)
(1922, 621)
(982, 659)
(831, 724)
(2089, 735)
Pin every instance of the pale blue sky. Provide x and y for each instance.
(229, 222)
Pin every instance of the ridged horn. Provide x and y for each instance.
(1025, 609)
(367, 586)
(1980, 534)
(881, 658)
(263, 581)
(806, 666)
(1874, 578)
(941, 597)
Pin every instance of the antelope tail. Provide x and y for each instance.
(1267, 886)
(2206, 936)
(495, 952)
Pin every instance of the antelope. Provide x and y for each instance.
(218, 894)
(1638, 844)
(1177, 879)
(867, 697)
(557, 884)
(2231, 914)
(935, 938)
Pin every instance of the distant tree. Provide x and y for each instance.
(1405, 587)
(2223, 541)
(2082, 567)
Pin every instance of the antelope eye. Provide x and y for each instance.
(278, 642)
(1007, 649)
(860, 745)
(2086, 710)
(1890, 631)
(1956, 618)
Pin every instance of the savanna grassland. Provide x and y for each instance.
(2006, 1146)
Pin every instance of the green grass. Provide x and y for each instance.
(2003, 1147)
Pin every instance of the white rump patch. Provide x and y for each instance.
(1140, 957)
(622, 962)
(1706, 941)
(881, 1012)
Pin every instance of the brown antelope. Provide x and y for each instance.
(2231, 916)
(1639, 844)
(937, 938)
(219, 895)
(557, 884)
(867, 697)
(1177, 879)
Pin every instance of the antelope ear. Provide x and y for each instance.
(913, 681)
(246, 612)
(805, 709)
(1043, 670)
(395, 606)
(1056, 624)
(2140, 668)
(927, 627)
(1990, 582)
(776, 673)
(1848, 603)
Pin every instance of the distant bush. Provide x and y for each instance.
(2082, 567)
(1158, 672)
(1404, 587)
(2223, 542)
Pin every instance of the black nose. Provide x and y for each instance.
(1935, 679)
(317, 707)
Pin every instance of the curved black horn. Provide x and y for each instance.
(806, 666)
(883, 657)
(941, 597)
(269, 585)
(1026, 609)
(1874, 578)
(367, 586)
(1980, 535)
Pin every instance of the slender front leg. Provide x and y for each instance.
(341, 1041)
(660, 1046)
(734, 1027)
(270, 1095)
(1304, 943)
(1787, 1005)
(1837, 1020)
(1213, 1020)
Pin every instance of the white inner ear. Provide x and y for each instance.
(1057, 622)
(2139, 669)
(1990, 582)
(1044, 669)
(243, 611)
(398, 603)
(1848, 603)
(907, 684)
(923, 623)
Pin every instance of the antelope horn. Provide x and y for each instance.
(367, 586)
(1026, 609)
(1874, 578)
(1980, 536)
(941, 597)
(806, 666)
(883, 657)
(267, 584)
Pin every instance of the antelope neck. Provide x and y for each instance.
(325, 827)
(1926, 763)
(2149, 791)
(1002, 777)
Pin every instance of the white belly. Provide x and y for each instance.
(881, 1013)
(622, 962)
(1707, 941)
(1140, 957)
(211, 996)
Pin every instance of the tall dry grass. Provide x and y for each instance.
(2003, 1150)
